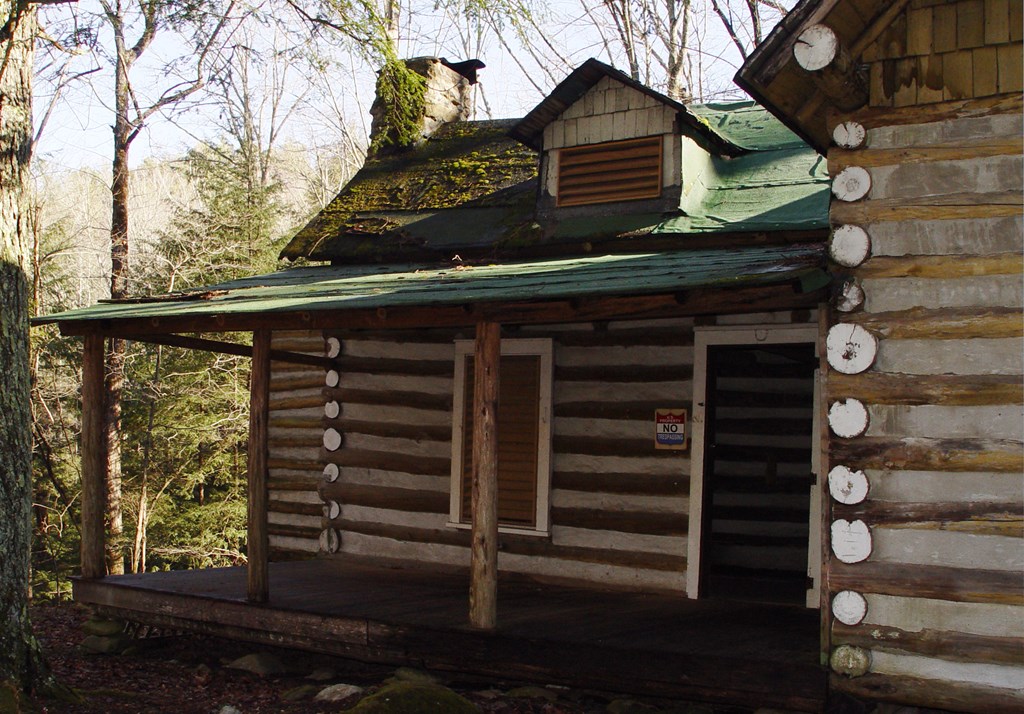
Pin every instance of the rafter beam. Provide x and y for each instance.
(879, 25)
(231, 348)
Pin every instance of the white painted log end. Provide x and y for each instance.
(849, 135)
(332, 409)
(332, 347)
(332, 439)
(333, 378)
(816, 47)
(849, 607)
(851, 184)
(848, 418)
(850, 246)
(850, 661)
(847, 486)
(850, 348)
(850, 296)
(332, 510)
(331, 473)
(330, 541)
(851, 540)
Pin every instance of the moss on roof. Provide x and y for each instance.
(465, 165)
(472, 190)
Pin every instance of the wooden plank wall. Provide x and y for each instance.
(619, 507)
(944, 449)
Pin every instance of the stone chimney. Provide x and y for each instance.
(447, 99)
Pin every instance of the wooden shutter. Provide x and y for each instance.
(518, 429)
(612, 171)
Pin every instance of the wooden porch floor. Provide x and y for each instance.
(653, 644)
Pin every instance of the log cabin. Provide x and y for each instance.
(917, 106)
(619, 395)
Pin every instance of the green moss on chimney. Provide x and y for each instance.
(402, 96)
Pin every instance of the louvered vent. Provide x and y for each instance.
(518, 432)
(613, 171)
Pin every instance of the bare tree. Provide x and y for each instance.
(745, 27)
(133, 27)
(666, 44)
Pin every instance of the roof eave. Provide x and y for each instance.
(775, 52)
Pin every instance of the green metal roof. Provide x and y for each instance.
(785, 189)
(369, 287)
(747, 125)
(471, 188)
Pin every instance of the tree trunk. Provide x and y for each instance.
(21, 664)
(142, 523)
(679, 85)
(118, 289)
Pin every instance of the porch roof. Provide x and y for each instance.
(362, 287)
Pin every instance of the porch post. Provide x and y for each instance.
(94, 458)
(483, 586)
(259, 397)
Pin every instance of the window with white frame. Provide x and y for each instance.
(524, 435)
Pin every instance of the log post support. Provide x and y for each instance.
(483, 587)
(94, 458)
(259, 398)
(831, 66)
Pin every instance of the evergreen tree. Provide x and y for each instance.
(185, 411)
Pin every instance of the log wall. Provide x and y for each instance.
(294, 442)
(943, 451)
(619, 507)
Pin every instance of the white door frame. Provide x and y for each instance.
(743, 335)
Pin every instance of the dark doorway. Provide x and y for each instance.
(758, 471)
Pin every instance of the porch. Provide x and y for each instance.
(659, 645)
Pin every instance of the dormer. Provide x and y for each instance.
(602, 164)
(609, 144)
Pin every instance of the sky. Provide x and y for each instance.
(77, 132)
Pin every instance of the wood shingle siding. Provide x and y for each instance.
(610, 111)
(946, 51)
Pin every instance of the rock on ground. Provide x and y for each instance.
(414, 698)
(338, 692)
(261, 663)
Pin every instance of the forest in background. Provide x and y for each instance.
(271, 99)
(184, 420)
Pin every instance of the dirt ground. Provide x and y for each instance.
(185, 674)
